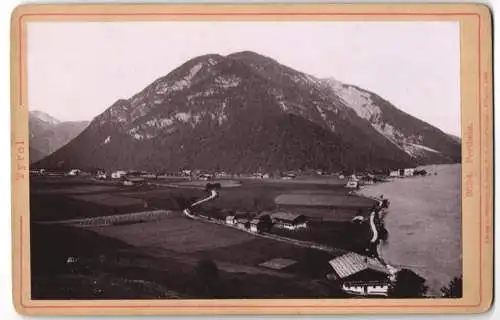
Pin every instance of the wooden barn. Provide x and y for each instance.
(361, 275)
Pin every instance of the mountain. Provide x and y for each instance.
(44, 117)
(47, 134)
(457, 139)
(245, 112)
(425, 143)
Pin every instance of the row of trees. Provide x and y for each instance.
(410, 285)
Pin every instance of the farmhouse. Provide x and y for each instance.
(394, 173)
(101, 175)
(361, 275)
(407, 172)
(205, 177)
(288, 176)
(242, 223)
(290, 221)
(352, 184)
(118, 174)
(128, 183)
(37, 172)
(260, 223)
(231, 220)
(74, 172)
(254, 225)
(368, 179)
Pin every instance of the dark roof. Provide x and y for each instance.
(264, 213)
(286, 216)
(352, 263)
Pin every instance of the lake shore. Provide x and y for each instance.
(424, 224)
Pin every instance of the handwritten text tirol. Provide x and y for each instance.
(20, 165)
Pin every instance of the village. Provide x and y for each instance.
(353, 180)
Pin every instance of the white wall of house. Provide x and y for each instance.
(378, 290)
(381, 290)
(118, 174)
(352, 184)
(409, 172)
(291, 226)
(394, 173)
(354, 289)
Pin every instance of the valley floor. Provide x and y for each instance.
(162, 256)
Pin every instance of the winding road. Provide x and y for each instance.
(373, 226)
(187, 211)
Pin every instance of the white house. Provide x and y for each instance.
(74, 172)
(394, 173)
(118, 174)
(254, 225)
(37, 172)
(205, 177)
(289, 221)
(361, 275)
(101, 175)
(243, 223)
(230, 220)
(352, 184)
(409, 172)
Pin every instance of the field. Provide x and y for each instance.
(322, 200)
(162, 258)
(201, 184)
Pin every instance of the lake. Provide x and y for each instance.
(424, 224)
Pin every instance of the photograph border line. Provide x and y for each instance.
(21, 39)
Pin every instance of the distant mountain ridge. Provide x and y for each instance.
(245, 112)
(47, 134)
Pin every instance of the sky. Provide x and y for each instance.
(78, 69)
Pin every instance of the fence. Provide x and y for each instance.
(114, 219)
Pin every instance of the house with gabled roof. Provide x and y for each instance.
(361, 275)
(287, 220)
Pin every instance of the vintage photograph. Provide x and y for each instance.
(244, 159)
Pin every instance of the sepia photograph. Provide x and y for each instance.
(244, 160)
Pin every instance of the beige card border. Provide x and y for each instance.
(477, 154)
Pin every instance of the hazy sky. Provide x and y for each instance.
(77, 70)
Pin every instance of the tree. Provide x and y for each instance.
(408, 284)
(207, 275)
(453, 289)
(207, 270)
